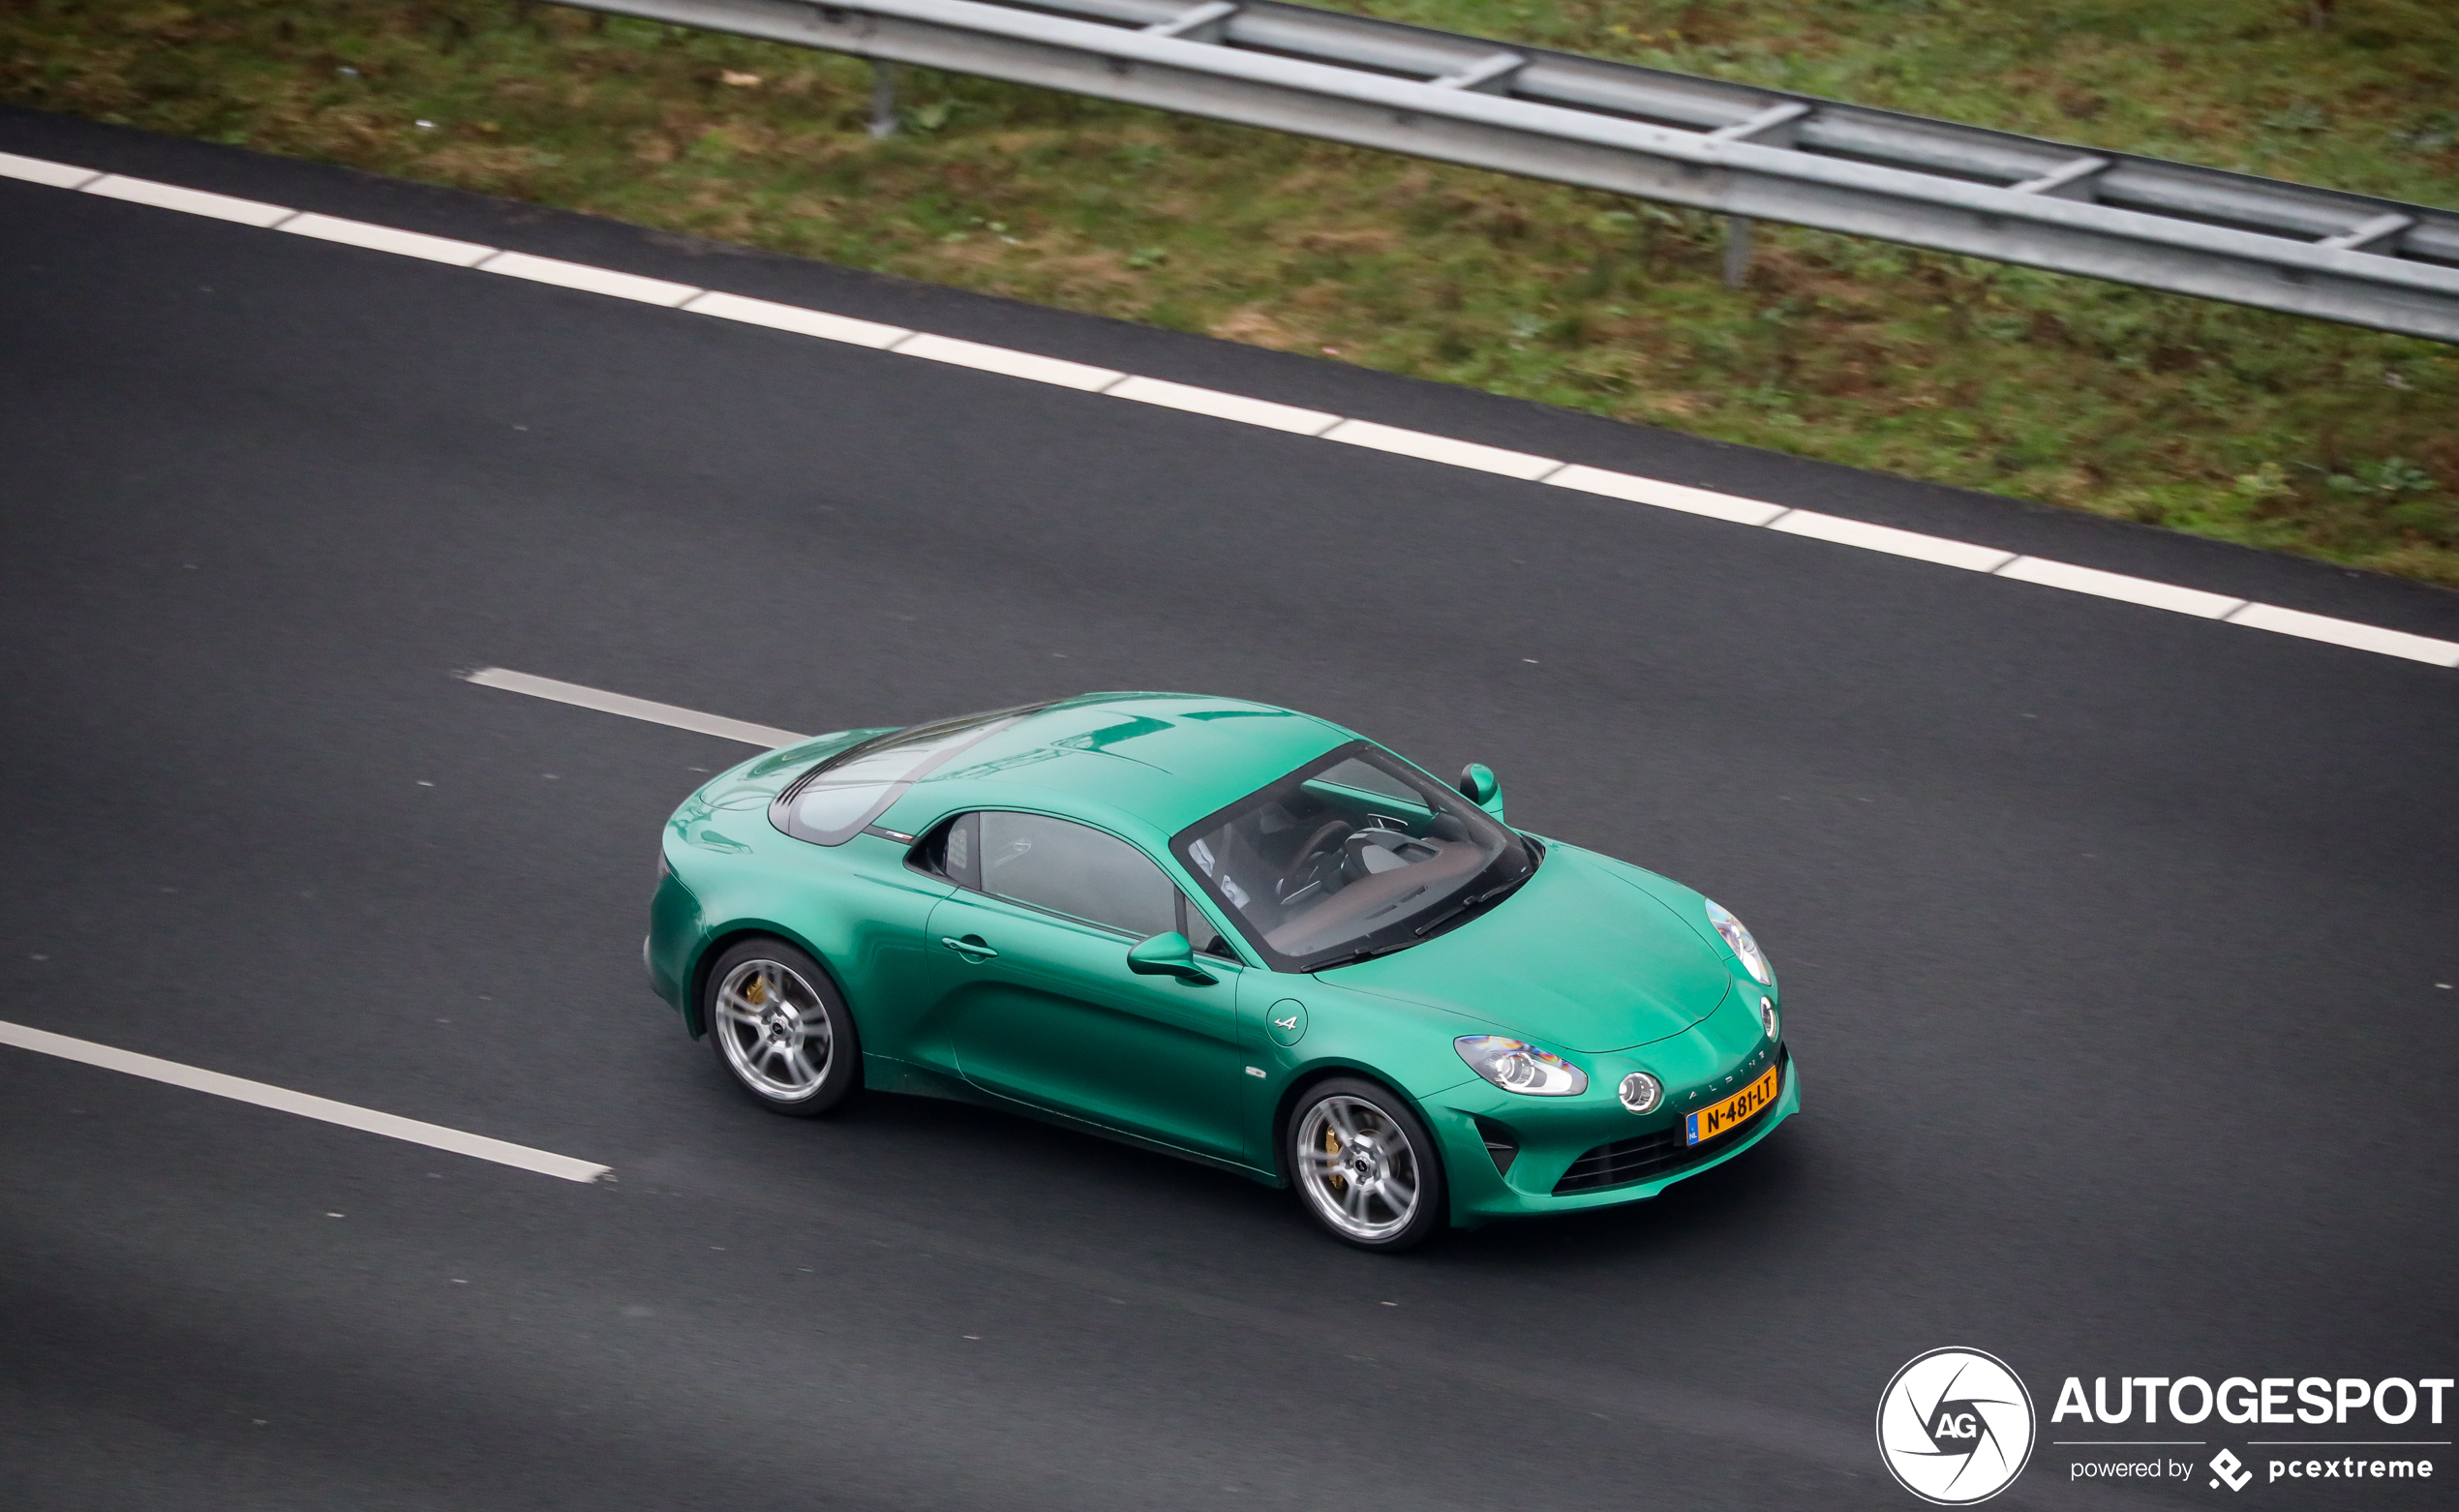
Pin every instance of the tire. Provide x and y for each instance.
(1353, 1148)
(779, 1028)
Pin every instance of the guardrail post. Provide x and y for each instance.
(1737, 250)
(883, 99)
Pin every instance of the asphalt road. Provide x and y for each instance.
(2110, 937)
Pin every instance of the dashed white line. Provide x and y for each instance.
(1444, 449)
(37, 170)
(187, 201)
(1007, 361)
(2118, 585)
(631, 707)
(1891, 540)
(1239, 408)
(1665, 496)
(799, 321)
(589, 279)
(1225, 406)
(387, 238)
(2348, 633)
(305, 1104)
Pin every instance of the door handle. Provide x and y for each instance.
(971, 948)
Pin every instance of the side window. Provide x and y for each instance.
(1073, 870)
(961, 852)
(1199, 931)
(952, 850)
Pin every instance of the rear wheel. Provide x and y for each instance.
(779, 1028)
(1366, 1166)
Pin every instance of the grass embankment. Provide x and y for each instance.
(2259, 428)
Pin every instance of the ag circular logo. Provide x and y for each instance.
(1956, 1427)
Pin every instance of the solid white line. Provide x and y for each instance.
(1225, 406)
(1237, 407)
(589, 279)
(387, 238)
(1007, 361)
(799, 321)
(2116, 585)
(188, 201)
(1637, 490)
(42, 170)
(2349, 633)
(282, 1100)
(1886, 538)
(1443, 449)
(632, 708)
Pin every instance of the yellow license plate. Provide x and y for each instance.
(1734, 1111)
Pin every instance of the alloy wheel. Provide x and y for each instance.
(773, 1030)
(1359, 1168)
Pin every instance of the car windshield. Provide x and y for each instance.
(831, 802)
(1354, 853)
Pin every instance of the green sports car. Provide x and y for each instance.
(1228, 931)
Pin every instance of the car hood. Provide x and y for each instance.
(1579, 959)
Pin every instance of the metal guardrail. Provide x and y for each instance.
(1743, 151)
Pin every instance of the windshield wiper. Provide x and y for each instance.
(1368, 953)
(1475, 900)
(1472, 901)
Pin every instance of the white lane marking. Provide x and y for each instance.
(2348, 633)
(594, 280)
(188, 201)
(2117, 585)
(42, 170)
(796, 318)
(1886, 538)
(387, 238)
(306, 1105)
(1008, 362)
(1443, 449)
(1633, 489)
(1225, 406)
(632, 708)
(1662, 495)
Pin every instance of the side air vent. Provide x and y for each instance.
(1501, 1144)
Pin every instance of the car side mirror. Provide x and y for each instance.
(1168, 956)
(1478, 784)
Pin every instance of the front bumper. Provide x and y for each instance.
(1546, 1170)
(666, 950)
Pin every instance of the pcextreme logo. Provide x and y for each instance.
(1956, 1427)
(2227, 1468)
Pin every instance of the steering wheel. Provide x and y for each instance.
(1328, 836)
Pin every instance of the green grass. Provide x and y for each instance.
(2265, 429)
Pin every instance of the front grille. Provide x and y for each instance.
(1649, 1156)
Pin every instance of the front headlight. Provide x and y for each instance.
(1767, 1017)
(1738, 940)
(1517, 1067)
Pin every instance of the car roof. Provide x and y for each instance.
(1156, 761)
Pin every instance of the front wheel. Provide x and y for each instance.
(1366, 1166)
(779, 1028)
